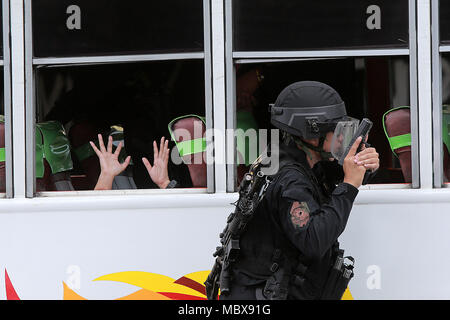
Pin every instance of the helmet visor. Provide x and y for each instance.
(343, 134)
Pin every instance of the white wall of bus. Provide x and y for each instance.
(400, 237)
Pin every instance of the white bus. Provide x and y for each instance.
(72, 69)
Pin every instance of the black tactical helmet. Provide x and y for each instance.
(308, 109)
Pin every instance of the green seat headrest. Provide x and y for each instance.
(53, 145)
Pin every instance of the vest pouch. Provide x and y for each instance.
(338, 278)
(276, 287)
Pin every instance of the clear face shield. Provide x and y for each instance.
(343, 134)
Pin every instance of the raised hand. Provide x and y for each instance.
(158, 172)
(109, 163)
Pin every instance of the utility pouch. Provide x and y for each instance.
(339, 276)
(276, 287)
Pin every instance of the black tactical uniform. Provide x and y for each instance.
(294, 227)
(289, 245)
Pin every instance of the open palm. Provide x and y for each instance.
(158, 172)
(109, 161)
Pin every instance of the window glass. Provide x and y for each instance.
(1, 30)
(444, 19)
(445, 60)
(132, 102)
(370, 87)
(2, 136)
(286, 25)
(105, 27)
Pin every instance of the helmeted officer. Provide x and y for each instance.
(286, 250)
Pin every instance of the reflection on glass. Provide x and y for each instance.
(66, 28)
(267, 25)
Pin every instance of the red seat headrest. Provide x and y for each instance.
(190, 128)
(398, 123)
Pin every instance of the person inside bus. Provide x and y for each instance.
(111, 166)
(188, 133)
(153, 93)
(248, 81)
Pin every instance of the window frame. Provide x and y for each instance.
(32, 63)
(437, 50)
(255, 57)
(6, 63)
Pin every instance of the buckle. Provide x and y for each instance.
(274, 267)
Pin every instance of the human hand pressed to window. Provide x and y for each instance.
(109, 163)
(159, 172)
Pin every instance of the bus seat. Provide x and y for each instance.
(2, 156)
(188, 132)
(247, 151)
(53, 158)
(446, 140)
(397, 127)
(80, 134)
(123, 181)
(446, 157)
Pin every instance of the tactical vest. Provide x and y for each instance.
(286, 267)
(287, 273)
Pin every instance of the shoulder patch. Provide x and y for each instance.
(299, 213)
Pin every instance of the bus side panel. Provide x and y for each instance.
(400, 250)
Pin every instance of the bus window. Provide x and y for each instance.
(118, 85)
(445, 62)
(292, 25)
(441, 96)
(5, 104)
(2, 136)
(66, 28)
(132, 102)
(369, 86)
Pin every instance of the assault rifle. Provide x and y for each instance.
(251, 191)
